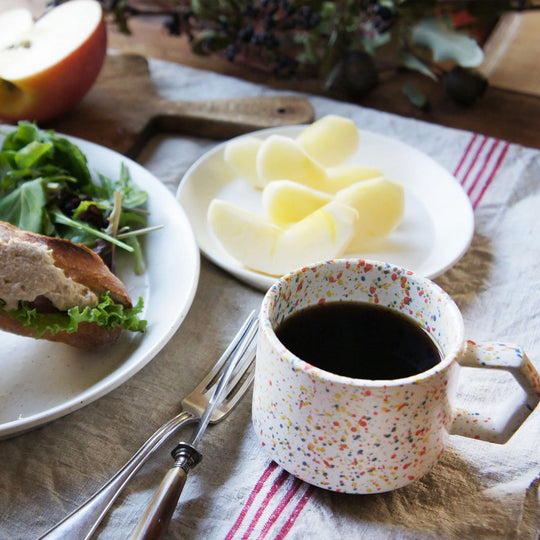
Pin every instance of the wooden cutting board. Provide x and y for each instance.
(123, 110)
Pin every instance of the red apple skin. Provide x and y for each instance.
(53, 91)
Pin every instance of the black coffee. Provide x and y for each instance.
(359, 340)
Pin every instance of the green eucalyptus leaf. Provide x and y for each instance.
(410, 61)
(415, 96)
(446, 44)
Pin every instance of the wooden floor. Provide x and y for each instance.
(510, 109)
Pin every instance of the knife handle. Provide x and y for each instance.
(156, 518)
(83, 521)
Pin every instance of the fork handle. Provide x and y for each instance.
(83, 521)
(156, 518)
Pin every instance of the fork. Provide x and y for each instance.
(83, 521)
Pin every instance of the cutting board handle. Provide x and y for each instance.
(225, 118)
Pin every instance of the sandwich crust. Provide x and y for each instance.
(78, 262)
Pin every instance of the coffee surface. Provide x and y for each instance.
(359, 340)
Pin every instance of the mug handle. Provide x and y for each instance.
(511, 358)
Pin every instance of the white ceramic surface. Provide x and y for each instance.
(435, 232)
(41, 380)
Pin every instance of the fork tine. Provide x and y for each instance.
(247, 356)
(242, 378)
(236, 394)
(214, 410)
(211, 377)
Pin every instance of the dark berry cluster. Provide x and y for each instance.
(67, 202)
(284, 36)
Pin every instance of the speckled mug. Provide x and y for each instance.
(368, 436)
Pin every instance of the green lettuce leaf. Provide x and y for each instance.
(107, 314)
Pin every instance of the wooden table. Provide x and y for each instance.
(505, 112)
(510, 108)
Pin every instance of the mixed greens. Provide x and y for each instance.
(46, 187)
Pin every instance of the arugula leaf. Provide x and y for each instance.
(106, 314)
(63, 219)
(132, 196)
(133, 241)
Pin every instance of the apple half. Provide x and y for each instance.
(47, 66)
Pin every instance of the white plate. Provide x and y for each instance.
(41, 380)
(435, 232)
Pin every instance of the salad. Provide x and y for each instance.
(46, 187)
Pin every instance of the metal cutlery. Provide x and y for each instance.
(237, 363)
(155, 520)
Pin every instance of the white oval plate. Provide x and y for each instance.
(435, 232)
(41, 380)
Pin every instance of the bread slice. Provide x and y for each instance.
(27, 256)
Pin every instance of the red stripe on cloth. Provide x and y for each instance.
(465, 154)
(484, 166)
(280, 507)
(278, 482)
(473, 162)
(492, 174)
(295, 513)
(258, 486)
(479, 164)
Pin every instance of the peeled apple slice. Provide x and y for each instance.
(380, 204)
(259, 244)
(286, 202)
(346, 175)
(241, 155)
(378, 201)
(330, 140)
(282, 158)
